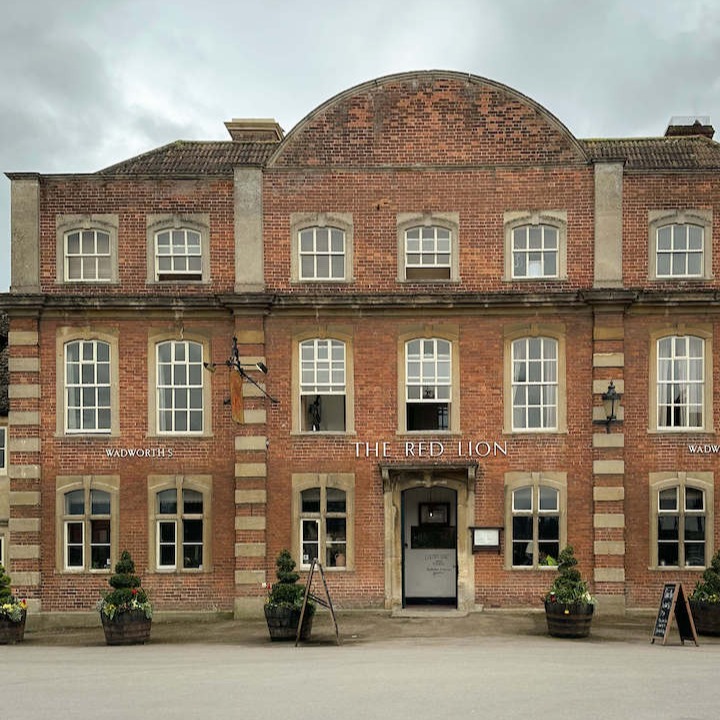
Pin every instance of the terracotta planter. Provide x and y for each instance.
(569, 620)
(126, 628)
(706, 617)
(282, 623)
(12, 631)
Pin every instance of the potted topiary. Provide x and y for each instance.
(569, 605)
(284, 604)
(705, 600)
(126, 612)
(13, 613)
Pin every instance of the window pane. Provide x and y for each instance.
(694, 499)
(667, 499)
(548, 498)
(192, 502)
(522, 499)
(99, 502)
(310, 500)
(335, 500)
(167, 502)
(75, 502)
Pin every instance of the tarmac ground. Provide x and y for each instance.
(484, 665)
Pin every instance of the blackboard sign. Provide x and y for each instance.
(673, 603)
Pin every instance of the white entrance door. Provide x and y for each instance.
(430, 546)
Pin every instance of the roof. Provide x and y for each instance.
(662, 153)
(184, 157)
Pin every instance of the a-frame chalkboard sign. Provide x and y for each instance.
(674, 602)
(325, 602)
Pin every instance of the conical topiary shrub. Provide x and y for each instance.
(569, 605)
(126, 611)
(284, 604)
(12, 612)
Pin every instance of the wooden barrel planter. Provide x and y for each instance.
(283, 622)
(127, 628)
(706, 617)
(569, 621)
(12, 631)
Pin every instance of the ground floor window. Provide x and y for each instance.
(323, 511)
(535, 515)
(87, 522)
(681, 517)
(180, 523)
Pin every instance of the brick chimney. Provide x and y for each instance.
(254, 130)
(693, 125)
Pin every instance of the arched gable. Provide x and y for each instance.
(429, 118)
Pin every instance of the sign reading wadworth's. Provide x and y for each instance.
(430, 449)
(140, 452)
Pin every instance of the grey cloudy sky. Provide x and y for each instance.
(87, 83)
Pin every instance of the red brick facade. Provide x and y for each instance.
(426, 149)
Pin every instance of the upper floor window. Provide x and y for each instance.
(535, 251)
(180, 401)
(535, 383)
(87, 387)
(680, 250)
(322, 385)
(321, 253)
(87, 525)
(178, 254)
(535, 525)
(427, 247)
(178, 248)
(3, 450)
(180, 529)
(427, 253)
(535, 244)
(680, 382)
(86, 248)
(428, 384)
(88, 256)
(680, 244)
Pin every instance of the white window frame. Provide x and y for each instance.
(332, 254)
(659, 219)
(85, 521)
(188, 389)
(517, 219)
(91, 261)
(432, 249)
(66, 226)
(201, 485)
(312, 222)
(180, 255)
(435, 271)
(693, 387)
(322, 373)
(89, 393)
(535, 512)
(425, 381)
(682, 513)
(676, 252)
(548, 247)
(548, 407)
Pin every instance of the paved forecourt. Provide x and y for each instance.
(483, 676)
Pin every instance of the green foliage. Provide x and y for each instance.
(5, 591)
(10, 606)
(568, 587)
(287, 592)
(708, 589)
(127, 594)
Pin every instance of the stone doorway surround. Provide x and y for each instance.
(400, 477)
